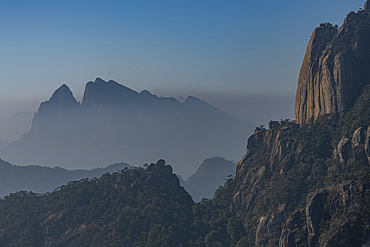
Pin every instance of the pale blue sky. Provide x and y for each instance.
(224, 52)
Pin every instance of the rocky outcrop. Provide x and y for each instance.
(149, 177)
(267, 223)
(367, 144)
(354, 149)
(291, 232)
(334, 69)
(279, 155)
(340, 149)
(75, 237)
(329, 218)
(130, 181)
(269, 151)
(278, 143)
(324, 192)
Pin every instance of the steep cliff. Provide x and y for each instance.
(110, 96)
(297, 185)
(57, 111)
(307, 185)
(335, 67)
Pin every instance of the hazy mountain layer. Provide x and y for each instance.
(116, 124)
(297, 185)
(12, 128)
(40, 179)
(211, 174)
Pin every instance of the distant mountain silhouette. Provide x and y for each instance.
(198, 104)
(180, 99)
(117, 124)
(211, 174)
(41, 179)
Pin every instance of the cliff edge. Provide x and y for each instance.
(335, 67)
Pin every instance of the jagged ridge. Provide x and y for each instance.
(115, 124)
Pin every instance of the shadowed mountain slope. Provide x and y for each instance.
(44, 179)
(139, 207)
(300, 183)
(13, 127)
(211, 174)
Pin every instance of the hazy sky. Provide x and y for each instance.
(241, 56)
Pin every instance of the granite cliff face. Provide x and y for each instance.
(308, 185)
(335, 67)
(331, 205)
(294, 188)
(297, 185)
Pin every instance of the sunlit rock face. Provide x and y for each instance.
(335, 67)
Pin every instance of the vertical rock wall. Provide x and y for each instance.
(335, 68)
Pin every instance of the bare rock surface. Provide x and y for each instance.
(334, 69)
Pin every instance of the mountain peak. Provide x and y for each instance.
(148, 95)
(198, 104)
(60, 104)
(110, 93)
(99, 81)
(63, 95)
(334, 69)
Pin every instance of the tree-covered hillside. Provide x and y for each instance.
(296, 186)
(44, 179)
(138, 207)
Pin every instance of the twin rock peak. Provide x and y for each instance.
(334, 71)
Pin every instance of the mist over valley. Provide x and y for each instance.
(207, 152)
(116, 124)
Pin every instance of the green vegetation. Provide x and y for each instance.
(42, 179)
(312, 168)
(131, 208)
(324, 34)
(286, 166)
(147, 207)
